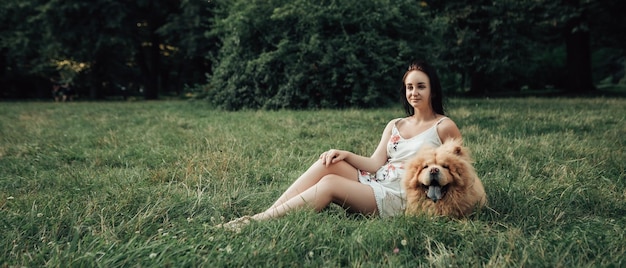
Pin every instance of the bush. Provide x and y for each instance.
(304, 54)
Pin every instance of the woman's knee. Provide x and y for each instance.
(342, 169)
(328, 183)
(334, 186)
(327, 180)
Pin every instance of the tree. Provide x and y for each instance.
(99, 45)
(87, 33)
(188, 34)
(580, 25)
(578, 44)
(607, 27)
(483, 41)
(20, 47)
(150, 16)
(490, 39)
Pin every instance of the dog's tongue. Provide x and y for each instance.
(434, 193)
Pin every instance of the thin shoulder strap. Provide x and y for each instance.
(396, 121)
(439, 121)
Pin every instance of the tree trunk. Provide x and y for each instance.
(577, 40)
(152, 74)
(152, 62)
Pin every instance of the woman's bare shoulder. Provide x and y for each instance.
(394, 122)
(448, 129)
(391, 124)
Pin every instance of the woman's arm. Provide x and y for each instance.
(370, 164)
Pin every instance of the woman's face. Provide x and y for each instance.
(417, 89)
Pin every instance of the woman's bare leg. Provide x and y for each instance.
(345, 192)
(317, 188)
(313, 175)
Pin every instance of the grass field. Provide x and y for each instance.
(143, 183)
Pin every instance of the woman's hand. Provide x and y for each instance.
(333, 156)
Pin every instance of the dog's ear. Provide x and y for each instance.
(458, 150)
(453, 146)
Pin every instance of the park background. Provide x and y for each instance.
(307, 54)
(249, 95)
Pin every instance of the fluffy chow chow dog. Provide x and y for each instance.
(442, 181)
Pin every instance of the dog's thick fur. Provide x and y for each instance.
(442, 181)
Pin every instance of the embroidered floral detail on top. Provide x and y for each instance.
(394, 140)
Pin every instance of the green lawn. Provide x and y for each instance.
(143, 183)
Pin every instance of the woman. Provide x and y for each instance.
(371, 185)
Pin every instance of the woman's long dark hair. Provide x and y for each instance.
(436, 93)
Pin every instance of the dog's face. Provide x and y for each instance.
(434, 170)
(442, 181)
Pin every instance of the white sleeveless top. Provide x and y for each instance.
(386, 183)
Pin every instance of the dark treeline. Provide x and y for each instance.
(303, 54)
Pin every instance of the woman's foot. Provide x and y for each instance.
(236, 224)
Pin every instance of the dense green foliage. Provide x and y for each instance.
(298, 54)
(305, 54)
(142, 184)
(294, 54)
(103, 47)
